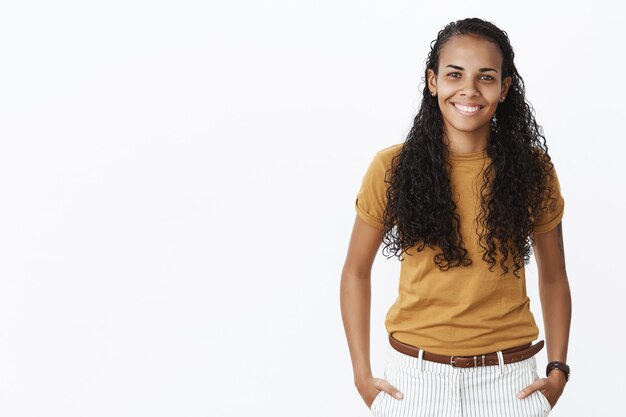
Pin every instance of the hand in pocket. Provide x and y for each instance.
(372, 387)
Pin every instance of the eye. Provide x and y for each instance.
(454, 75)
(488, 77)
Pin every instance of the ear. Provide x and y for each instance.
(506, 83)
(432, 80)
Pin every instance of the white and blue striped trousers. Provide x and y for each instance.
(434, 389)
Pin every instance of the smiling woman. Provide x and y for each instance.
(468, 89)
(465, 197)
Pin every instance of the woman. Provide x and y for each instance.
(463, 202)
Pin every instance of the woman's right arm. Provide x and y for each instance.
(355, 296)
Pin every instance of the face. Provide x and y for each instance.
(469, 85)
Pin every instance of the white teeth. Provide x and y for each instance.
(466, 108)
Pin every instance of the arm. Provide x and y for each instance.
(554, 292)
(355, 295)
(556, 307)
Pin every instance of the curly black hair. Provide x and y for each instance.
(420, 210)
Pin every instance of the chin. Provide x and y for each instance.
(469, 128)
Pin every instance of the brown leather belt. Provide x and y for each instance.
(515, 354)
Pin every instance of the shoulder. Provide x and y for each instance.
(544, 158)
(549, 167)
(381, 163)
(385, 155)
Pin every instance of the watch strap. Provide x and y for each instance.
(561, 366)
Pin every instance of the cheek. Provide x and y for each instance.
(494, 92)
(446, 88)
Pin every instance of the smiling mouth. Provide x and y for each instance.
(467, 110)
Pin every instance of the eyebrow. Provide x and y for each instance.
(480, 70)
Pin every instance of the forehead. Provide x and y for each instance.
(470, 51)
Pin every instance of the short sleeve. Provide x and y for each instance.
(371, 198)
(552, 212)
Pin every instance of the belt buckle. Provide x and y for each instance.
(453, 362)
(483, 364)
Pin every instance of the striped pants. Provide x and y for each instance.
(433, 389)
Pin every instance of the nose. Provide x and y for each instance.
(469, 90)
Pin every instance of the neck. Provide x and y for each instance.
(465, 142)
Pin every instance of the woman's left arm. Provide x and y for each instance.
(556, 306)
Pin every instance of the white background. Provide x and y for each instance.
(177, 183)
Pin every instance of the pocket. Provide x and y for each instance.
(534, 377)
(376, 401)
(545, 400)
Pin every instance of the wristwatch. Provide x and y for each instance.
(560, 366)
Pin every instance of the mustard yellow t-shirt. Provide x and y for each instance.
(464, 310)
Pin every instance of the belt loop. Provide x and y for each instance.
(501, 361)
(420, 360)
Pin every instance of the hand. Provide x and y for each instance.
(371, 387)
(551, 387)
